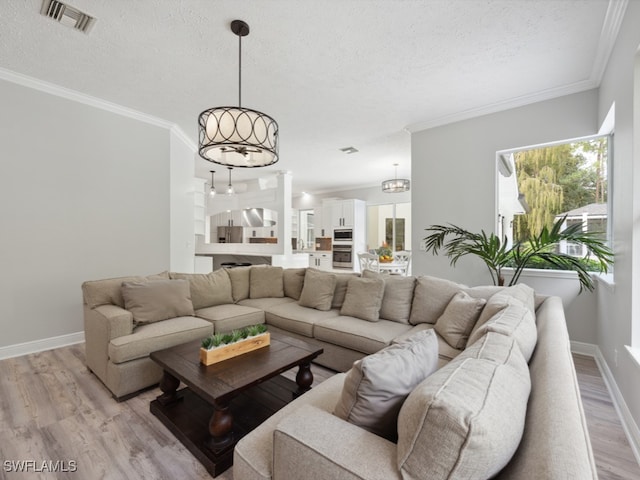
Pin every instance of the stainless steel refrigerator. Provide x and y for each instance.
(230, 234)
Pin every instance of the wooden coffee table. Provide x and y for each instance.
(224, 401)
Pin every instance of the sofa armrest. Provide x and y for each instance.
(101, 325)
(312, 443)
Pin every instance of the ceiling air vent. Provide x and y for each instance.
(67, 15)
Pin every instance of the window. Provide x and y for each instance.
(539, 185)
(390, 224)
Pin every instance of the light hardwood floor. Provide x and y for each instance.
(53, 409)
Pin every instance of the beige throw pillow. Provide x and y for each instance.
(519, 294)
(467, 419)
(376, 386)
(293, 280)
(266, 282)
(363, 298)
(398, 293)
(157, 300)
(431, 296)
(239, 277)
(207, 289)
(317, 291)
(455, 324)
(109, 290)
(342, 280)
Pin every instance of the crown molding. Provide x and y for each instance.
(608, 35)
(73, 95)
(502, 106)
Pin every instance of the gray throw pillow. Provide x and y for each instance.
(398, 293)
(317, 291)
(455, 324)
(266, 282)
(207, 289)
(363, 298)
(157, 300)
(377, 385)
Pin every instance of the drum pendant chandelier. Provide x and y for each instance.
(236, 136)
(396, 185)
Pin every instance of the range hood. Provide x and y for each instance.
(257, 217)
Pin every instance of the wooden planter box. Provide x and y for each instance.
(208, 357)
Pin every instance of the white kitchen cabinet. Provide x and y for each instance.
(321, 261)
(322, 218)
(346, 213)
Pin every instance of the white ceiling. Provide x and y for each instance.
(333, 73)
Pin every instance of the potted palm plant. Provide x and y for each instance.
(457, 242)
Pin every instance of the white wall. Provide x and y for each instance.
(182, 219)
(83, 195)
(615, 304)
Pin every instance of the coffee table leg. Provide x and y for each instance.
(168, 384)
(220, 428)
(304, 379)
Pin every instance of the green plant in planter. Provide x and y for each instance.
(457, 242)
(218, 339)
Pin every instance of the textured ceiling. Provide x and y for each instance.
(333, 73)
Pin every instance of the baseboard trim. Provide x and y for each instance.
(581, 348)
(629, 426)
(35, 346)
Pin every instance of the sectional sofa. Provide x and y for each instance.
(499, 398)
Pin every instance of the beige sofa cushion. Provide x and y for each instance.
(378, 384)
(109, 291)
(295, 318)
(293, 281)
(157, 300)
(455, 324)
(342, 280)
(156, 336)
(231, 316)
(318, 289)
(207, 289)
(466, 420)
(398, 294)
(266, 281)
(364, 298)
(431, 296)
(358, 335)
(239, 277)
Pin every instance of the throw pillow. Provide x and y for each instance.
(317, 291)
(157, 300)
(431, 296)
(109, 290)
(455, 324)
(266, 282)
(342, 280)
(363, 298)
(467, 419)
(519, 294)
(398, 293)
(207, 289)
(293, 280)
(239, 277)
(377, 385)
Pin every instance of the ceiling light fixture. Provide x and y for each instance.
(236, 136)
(396, 185)
(212, 190)
(230, 190)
